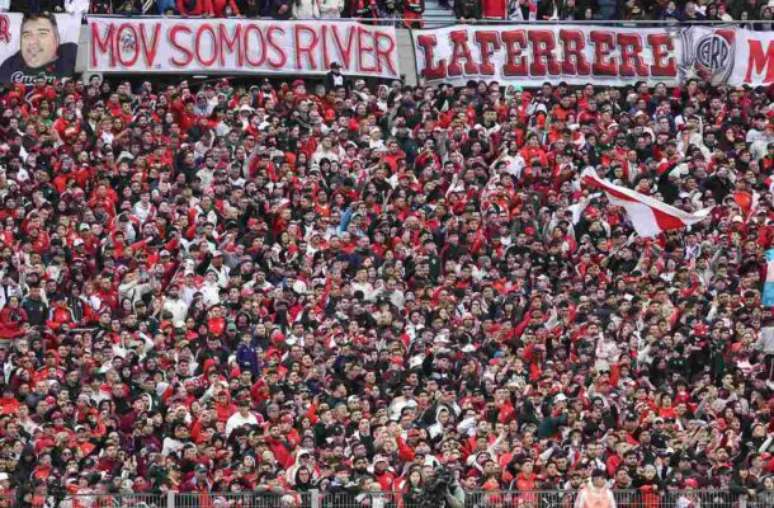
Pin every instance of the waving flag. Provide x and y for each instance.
(649, 216)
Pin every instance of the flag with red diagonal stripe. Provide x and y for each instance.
(650, 217)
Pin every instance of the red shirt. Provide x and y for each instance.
(195, 8)
(494, 9)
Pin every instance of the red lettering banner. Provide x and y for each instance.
(579, 54)
(233, 46)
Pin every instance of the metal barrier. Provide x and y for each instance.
(116, 501)
(282, 498)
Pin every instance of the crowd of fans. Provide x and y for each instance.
(279, 287)
(387, 10)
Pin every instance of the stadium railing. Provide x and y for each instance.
(473, 499)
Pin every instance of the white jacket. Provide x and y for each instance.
(178, 308)
(306, 9)
(331, 9)
(237, 420)
(75, 6)
(607, 350)
(210, 294)
(592, 497)
(134, 290)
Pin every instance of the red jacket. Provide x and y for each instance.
(60, 316)
(11, 321)
(386, 480)
(9, 405)
(494, 9)
(412, 13)
(281, 452)
(194, 7)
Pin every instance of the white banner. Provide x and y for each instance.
(35, 46)
(754, 59)
(240, 46)
(579, 54)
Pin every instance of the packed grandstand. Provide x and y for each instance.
(339, 292)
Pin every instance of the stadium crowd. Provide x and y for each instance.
(279, 287)
(411, 11)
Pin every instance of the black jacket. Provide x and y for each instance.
(14, 70)
(37, 311)
(468, 9)
(330, 83)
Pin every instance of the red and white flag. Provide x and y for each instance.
(650, 217)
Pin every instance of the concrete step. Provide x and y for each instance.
(435, 15)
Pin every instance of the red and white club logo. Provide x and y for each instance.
(714, 53)
(709, 55)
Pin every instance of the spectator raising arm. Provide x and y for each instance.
(249, 284)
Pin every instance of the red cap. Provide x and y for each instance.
(209, 364)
